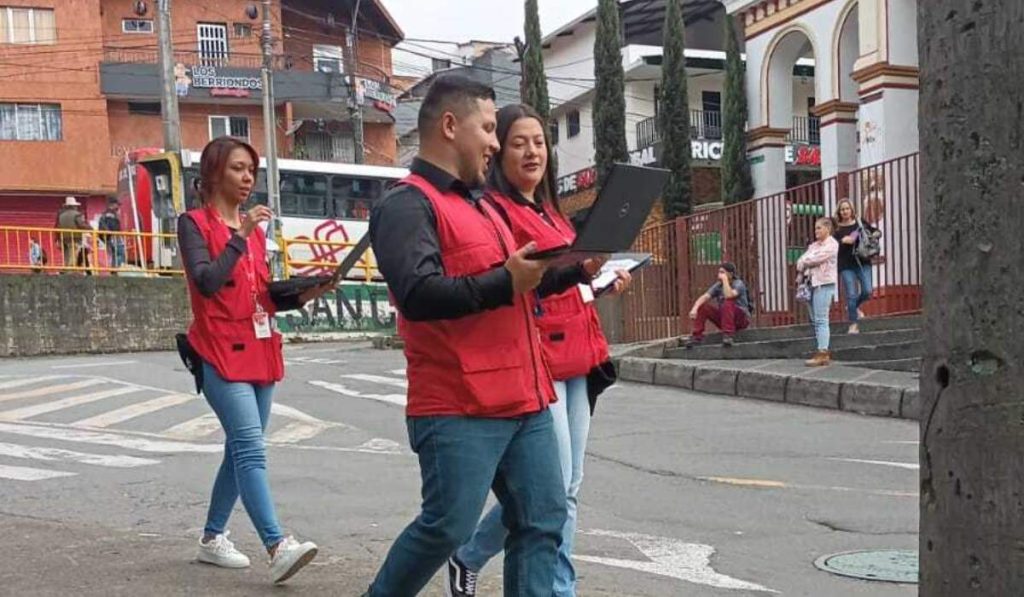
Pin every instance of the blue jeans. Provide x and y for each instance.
(857, 286)
(821, 302)
(244, 412)
(572, 426)
(115, 252)
(461, 460)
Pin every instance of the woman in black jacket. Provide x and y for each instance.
(854, 271)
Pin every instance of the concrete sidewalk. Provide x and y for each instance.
(853, 389)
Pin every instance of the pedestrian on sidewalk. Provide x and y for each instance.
(730, 311)
(819, 264)
(70, 222)
(234, 336)
(479, 389)
(521, 185)
(854, 271)
(110, 221)
(36, 255)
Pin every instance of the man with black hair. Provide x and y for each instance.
(479, 389)
(731, 312)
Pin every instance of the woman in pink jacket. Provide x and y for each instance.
(819, 263)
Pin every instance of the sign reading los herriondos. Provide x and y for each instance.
(206, 77)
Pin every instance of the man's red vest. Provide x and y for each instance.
(570, 328)
(488, 364)
(222, 330)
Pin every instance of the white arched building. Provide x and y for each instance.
(866, 80)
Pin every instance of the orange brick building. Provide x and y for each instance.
(80, 87)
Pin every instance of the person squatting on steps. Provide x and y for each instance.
(726, 304)
(819, 264)
(236, 352)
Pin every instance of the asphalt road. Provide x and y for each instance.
(106, 464)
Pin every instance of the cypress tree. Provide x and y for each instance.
(610, 91)
(674, 115)
(536, 82)
(737, 184)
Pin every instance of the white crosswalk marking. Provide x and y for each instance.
(196, 428)
(107, 439)
(28, 412)
(23, 473)
(294, 432)
(50, 390)
(38, 453)
(132, 411)
(27, 381)
(398, 372)
(388, 381)
(337, 388)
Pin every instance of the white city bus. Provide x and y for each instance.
(321, 202)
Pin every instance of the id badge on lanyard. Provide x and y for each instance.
(260, 319)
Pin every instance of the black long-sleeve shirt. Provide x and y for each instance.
(209, 275)
(403, 233)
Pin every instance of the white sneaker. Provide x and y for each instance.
(290, 557)
(221, 552)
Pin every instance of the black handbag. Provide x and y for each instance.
(193, 362)
(600, 379)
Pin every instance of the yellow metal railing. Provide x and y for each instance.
(304, 256)
(91, 252)
(25, 249)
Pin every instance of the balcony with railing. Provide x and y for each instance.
(707, 125)
(704, 124)
(204, 75)
(806, 130)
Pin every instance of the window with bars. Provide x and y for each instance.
(328, 59)
(213, 44)
(30, 122)
(234, 126)
(27, 25)
(572, 123)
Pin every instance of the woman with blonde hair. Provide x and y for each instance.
(818, 264)
(854, 271)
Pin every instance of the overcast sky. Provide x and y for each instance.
(464, 20)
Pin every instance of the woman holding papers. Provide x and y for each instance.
(522, 187)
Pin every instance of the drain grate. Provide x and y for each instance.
(886, 565)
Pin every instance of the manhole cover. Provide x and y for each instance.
(888, 565)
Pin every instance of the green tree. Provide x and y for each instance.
(737, 184)
(610, 91)
(674, 114)
(535, 82)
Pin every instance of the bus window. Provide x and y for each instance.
(192, 197)
(259, 194)
(353, 197)
(303, 195)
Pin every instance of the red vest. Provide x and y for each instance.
(570, 328)
(222, 329)
(484, 365)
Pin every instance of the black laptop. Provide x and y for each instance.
(617, 216)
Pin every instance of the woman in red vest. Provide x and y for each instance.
(224, 253)
(522, 183)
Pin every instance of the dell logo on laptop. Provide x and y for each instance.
(624, 211)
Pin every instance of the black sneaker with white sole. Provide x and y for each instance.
(727, 341)
(461, 580)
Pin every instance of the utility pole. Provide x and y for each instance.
(168, 97)
(270, 132)
(972, 404)
(355, 108)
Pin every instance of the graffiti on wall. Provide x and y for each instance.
(352, 308)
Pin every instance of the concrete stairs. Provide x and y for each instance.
(892, 344)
